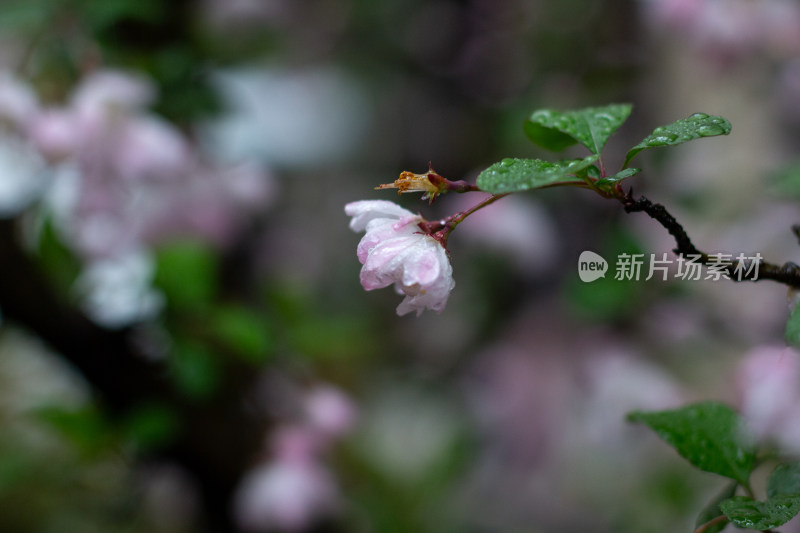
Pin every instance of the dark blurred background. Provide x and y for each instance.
(185, 345)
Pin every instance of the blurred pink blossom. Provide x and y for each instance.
(732, 28)
(53, 132)
(128, 179)
(106, 93)
(395, 251)
(517, 227)
(293, 489)
(285, 495)
(230, 14)
(296, 442)
(18, 103)
(675, 12)
(768, 380)
(147, 146)
(208, 203)
(330, 412)
(116, 179)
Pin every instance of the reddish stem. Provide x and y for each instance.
(440, 229)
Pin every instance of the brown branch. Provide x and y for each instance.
(788, 273)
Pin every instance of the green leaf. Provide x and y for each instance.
(782, 504)
(150, 426)
(792, 333)
(84, 427)
(784, 480)
(592, 172)
(611, 181)
(591, 126)
(57, 259)
(748, 513)
(187, 274)
(244, 331)
(709, 435)
(695, 127)
(512, 174)
(195, 369)
(712, 510)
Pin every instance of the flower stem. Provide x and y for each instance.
(456, 219)
(440, 229)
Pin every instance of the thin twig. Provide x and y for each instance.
(788, 273)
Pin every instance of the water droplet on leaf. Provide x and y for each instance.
(661, 140)
(709, 130)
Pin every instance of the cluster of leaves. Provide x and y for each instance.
(590, 127)
(714, 438)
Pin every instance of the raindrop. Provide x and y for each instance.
(709, 130)
(661, 140)
(699, 116)
(604, 121)
(507, 162)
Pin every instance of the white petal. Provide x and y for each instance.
(366, 210)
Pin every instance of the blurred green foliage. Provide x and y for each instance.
(186, 272)
(154, 37)
(608, 299)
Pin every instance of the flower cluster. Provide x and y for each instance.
(395, 251)
(116, 179)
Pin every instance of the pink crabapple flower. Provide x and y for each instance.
(394, 250)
